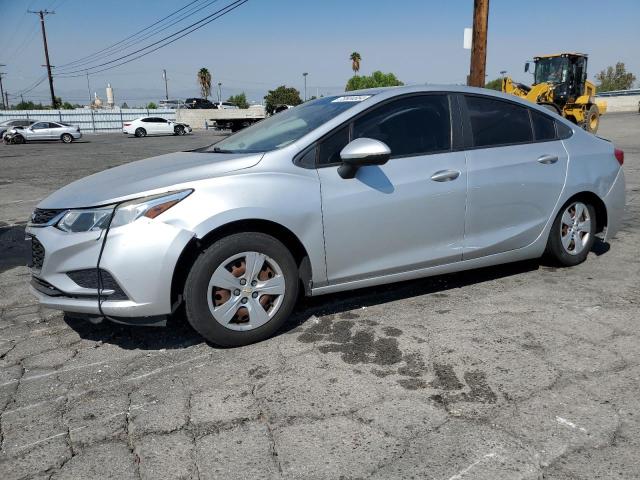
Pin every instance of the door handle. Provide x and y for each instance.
(547, 159)
(445, 175)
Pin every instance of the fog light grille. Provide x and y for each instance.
(89, 279)
(37, 254)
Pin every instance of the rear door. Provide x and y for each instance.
(55, 131)
(516, 174)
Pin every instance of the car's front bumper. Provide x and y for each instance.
(140, 257)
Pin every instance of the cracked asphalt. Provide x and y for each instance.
(521, 371)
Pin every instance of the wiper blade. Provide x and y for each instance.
(221, 150)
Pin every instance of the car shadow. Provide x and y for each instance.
(179, 334)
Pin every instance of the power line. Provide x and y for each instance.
(223, 11)
(110, 47)
(235, 4)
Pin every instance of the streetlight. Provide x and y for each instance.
(503, 73)
(305, 85)
(219, 92)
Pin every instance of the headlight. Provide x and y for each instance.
(94, 219)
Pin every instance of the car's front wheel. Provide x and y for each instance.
(572, 234)
(179, 130)
(241, 289)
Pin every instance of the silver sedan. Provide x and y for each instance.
(46, 130)
(342, 192)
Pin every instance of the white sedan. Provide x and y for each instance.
(141, 127)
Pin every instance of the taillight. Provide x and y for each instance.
(619, 154)
(127, 124)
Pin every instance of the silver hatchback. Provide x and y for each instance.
(339, 193)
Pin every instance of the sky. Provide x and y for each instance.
(266, 43)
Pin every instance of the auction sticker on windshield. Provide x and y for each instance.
(351, 98)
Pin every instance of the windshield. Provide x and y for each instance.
(286, 127)
(552, 70)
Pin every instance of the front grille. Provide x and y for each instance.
(37, 254)
(88, 278)
(41, 216)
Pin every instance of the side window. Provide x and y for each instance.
(160, 120)
(40, 125)
(147, 120)
(563, 131)
(496, 122)
(54, 125)
(414, 125)
(330, 147)
(544, 127)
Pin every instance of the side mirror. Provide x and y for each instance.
(362, 152)
(526, 67)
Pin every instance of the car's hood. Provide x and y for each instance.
(136, 178)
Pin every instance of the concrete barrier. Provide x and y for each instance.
(196, 118)
(622, 103)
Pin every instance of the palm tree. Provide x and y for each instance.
(355, 62)
(204, 80)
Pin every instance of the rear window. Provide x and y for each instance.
(544, 127)
(495, 122)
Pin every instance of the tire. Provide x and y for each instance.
(19, 140)
(228, 260)
(592, 119)
(560, 246)
(140, 132)
(179, 130)
(66, 138)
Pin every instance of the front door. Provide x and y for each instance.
(406, 214)
(38, 131)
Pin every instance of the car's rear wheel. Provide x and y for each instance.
(241, 289)
(572, 234)
(140, 132)
(66, 138)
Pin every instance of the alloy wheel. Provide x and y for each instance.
(246, 291)
(575, 228)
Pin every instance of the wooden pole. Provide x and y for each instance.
(479, 43)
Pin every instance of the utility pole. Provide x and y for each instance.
(2, 99)
(42, 13)
(479, 43)
(219, 92)
(305, 85)
(166, 89)
(89, 88)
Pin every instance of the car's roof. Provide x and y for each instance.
(388, 92)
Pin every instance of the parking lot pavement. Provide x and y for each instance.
(511, 372)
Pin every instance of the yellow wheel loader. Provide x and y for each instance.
(560, 84)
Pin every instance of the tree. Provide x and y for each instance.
(239, 100)
(282, 95)
(67, 106)
(615, 78)
(495, 84)
(355, 62)
(124, 105)
(377, 79)
(29, 106)
(204, 81)
(151, 106)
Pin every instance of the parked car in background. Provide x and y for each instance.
(46, 130)
(141, 127)
(171, 104)
(339, 193)
(225, 106)
(198, 103)
(7, 124)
